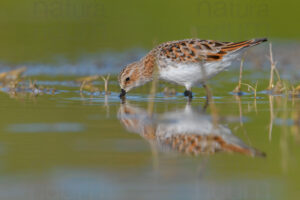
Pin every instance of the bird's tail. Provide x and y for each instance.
(236, 46)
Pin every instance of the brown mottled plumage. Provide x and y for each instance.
(195, 144)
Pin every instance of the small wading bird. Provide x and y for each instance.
(184, 62)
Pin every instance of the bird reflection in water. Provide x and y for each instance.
(189, 131)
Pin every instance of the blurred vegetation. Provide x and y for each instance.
(39, 30)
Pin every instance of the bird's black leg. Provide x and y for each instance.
(208, 98)
(206, 104)
(188, 93)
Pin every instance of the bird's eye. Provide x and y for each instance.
(127, 79)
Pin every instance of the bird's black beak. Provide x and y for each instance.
(122, 93)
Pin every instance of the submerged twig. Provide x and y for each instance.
(169, 92)
(12, 75)
(241, 118)
(238, 87)
(213, 108)
(283, 142)
(271, 116)
(271, 85)
(106, 79)
(250, 87)
(295, 92)
(278, 87)
(153, 90)
(210, 100)
(86, 83)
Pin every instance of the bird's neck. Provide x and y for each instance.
(149, 65)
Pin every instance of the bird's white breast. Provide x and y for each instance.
(189, 74)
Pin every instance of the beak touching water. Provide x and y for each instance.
(123, 93)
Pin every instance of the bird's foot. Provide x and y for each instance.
(188, 93)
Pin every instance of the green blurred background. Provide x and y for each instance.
(39, 30)
(104, 155)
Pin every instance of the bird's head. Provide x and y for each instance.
(132, 76)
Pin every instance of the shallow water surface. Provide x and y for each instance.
(60, 143)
